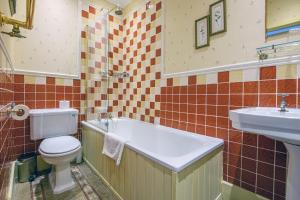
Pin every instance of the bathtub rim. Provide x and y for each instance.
(172, 164)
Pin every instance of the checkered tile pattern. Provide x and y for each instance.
(142, 59)
(115, 57)
(99, 90)
(140, 33)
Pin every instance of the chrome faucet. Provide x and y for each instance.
(106, 115)
(283, 103)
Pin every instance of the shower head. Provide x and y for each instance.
(119, 11)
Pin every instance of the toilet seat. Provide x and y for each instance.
(58, 146)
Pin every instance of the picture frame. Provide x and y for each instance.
(202, 32)
(218, 21)
(281, 26)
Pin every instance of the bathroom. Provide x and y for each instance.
(154, 99)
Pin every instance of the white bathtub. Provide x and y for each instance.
(172, 148)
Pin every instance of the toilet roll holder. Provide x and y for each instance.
(19, 112)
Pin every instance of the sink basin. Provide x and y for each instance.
(282, 126)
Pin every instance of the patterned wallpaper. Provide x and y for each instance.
(245, 32)
(56, 25)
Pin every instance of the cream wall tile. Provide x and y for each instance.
(212, 78)
(201, 79)
(40, 80)
(236, 76)
(298, 70)
(156, 120)
(176, 81)
(29, 79)
(183, 80)
(68, 82)
(60, 81)
(250, 75)
(163, 82)
(286, 71)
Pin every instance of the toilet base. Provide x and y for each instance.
(60, 178)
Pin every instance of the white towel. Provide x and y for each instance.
(113, 147)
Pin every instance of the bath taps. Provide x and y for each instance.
(283, 103)
(108, 117)
(105, 115)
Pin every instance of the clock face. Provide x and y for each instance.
(202, 32)
(217, 18)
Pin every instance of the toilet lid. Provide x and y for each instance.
(58, 145)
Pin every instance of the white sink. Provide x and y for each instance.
(282, 126)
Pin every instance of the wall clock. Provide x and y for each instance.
(202, 32)
(218, 17)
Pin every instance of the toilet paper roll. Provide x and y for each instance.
(20, 112)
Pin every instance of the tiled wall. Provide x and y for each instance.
(197, 103)
(142, 59)
(133, 43)
(38, 93)
(201, 104)
(6, 97)
(101, 91)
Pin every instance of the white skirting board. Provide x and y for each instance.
(233, 192)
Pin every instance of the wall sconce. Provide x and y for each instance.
(30, 4)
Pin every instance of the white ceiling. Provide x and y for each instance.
(121, 3)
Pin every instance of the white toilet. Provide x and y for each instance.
(57, 148)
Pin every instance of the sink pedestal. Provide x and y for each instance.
(293, 176)
(281, 126)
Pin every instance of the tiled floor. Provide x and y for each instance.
(89, 187)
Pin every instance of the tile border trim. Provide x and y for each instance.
(46, 74)
(238, 66)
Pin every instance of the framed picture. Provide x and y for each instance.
(218, 17)
(202, 32)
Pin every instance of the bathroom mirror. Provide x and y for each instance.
(12, 6)
(282, 16)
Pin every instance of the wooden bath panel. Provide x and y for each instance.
(139, 178)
